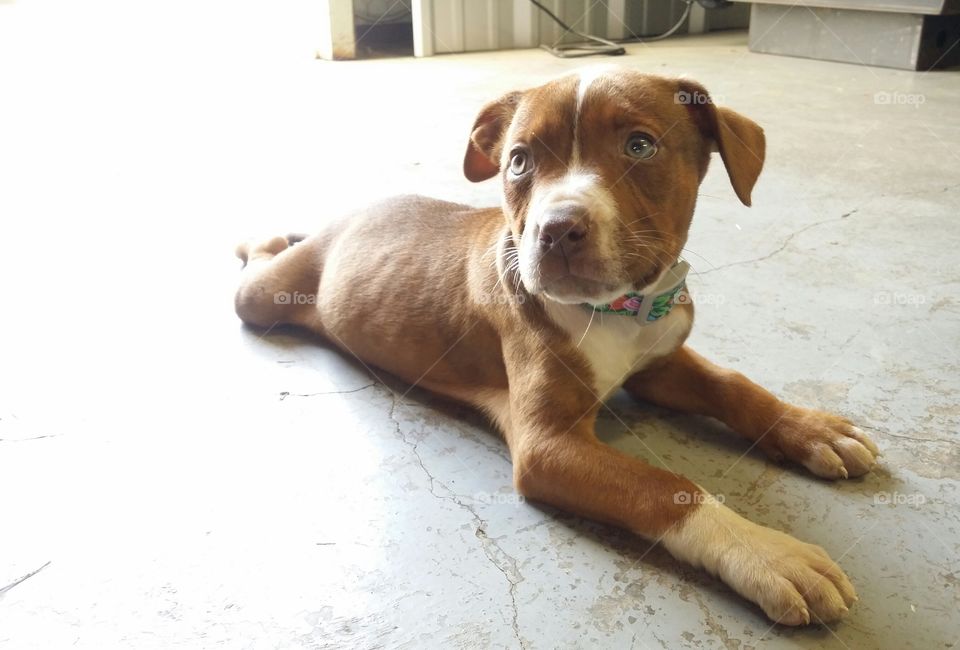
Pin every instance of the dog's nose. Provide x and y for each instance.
(565, 223)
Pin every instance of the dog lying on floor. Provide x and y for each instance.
(498, 308)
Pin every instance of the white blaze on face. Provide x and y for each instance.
(588, 76)
(580, 185)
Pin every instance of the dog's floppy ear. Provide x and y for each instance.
(482, 160)
(740, 141)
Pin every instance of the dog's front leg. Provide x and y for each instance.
(567, 466)
(559, 460)
(826, 444)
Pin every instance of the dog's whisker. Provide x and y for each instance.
(505, 263)
(593, 313)
(644, 256)
(687, 250)
(641, 217)
(516, 288)
(642, 237)
(648, 230)
(719, 198)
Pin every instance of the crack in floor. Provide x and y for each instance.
(285, 394)
(48, 435)
(881, 432)
(23, 578)
(783, 245)
(491, 548)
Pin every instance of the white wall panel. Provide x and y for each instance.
(616, 19)
(422, 23)
(442, 26)
(480, 25)
(526, 24)
(448, 26)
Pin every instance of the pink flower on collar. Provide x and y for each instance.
(632, 303)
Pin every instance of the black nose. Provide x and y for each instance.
(564, 223)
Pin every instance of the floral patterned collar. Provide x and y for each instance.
(669, 290)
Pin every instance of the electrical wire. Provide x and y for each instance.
(669, 32)
(594, 45)
(392, 16)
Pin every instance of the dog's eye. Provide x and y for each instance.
(640, 146)
(518, 163)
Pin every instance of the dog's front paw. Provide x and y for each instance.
(793, 582)
(826, 444)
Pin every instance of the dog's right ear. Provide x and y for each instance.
(482, 160)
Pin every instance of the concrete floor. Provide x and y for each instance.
(194, 484)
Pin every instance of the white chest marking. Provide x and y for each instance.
(617, 346)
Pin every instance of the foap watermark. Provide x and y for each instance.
(295, 298)
(898, 298)
(500, 298)
(701, 298)
(684, 498)
(897, 98)
(913, 499)
(499, 498)
(695, 98)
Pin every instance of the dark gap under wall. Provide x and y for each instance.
(384, 40)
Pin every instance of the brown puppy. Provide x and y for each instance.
(496, 307)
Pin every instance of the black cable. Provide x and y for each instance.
(669, 32)
(391, 16)
(595, 44)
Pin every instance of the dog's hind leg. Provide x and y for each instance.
(279, 281)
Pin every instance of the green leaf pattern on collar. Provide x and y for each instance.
(631, 304)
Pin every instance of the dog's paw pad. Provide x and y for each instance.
(826, 444)
(796, 583)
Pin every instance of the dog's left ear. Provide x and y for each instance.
(482, 160)
(739, 140)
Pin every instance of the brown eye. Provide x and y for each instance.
(518, 163)
(640, 146)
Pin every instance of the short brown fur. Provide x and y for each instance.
(425, 289)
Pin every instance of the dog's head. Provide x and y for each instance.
(600, 173)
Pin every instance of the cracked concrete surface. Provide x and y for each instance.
(195, 484)
(779, 249)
